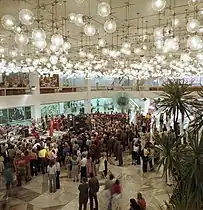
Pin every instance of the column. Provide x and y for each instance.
(61, 108)
(35, 88)
(89, 97)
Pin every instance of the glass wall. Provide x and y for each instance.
(50, 109)
(17, 115)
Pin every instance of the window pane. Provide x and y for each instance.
(27, 112)
(3, 116)
(16, 114)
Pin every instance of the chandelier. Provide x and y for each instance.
(104, 41)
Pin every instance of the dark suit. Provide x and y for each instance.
(93, 189)
(83, 195)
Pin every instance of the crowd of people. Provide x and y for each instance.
(83, 150)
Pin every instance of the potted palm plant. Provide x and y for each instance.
(176, 100)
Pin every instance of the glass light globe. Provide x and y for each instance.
(82, 54)
(105, 51)
(200, 56)
(8, 22)
(158, 33)
(72, 17)
(89, 29)
(38, 34)
(21, 39)
(193, 42)
(43, 59)
(63, 60)
(57, 40)
(110, 26)
(2, 50)
(13, 53)
(54, 48)
(193, 3)
(137, 50)
(53, 59)
(66, 46)
(200, 12)
(103, 9)
(26, 17)
(79, 1)
(79, 20)
(193, 25)
(40, 44)
(90, 56)
(102, 42)
(126, 45)
(158, 5)
(200, 30)
(17, 29)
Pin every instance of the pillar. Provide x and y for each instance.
(61, 108)
(36, 108)
(89, 97)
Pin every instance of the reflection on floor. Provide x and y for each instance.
(35, 195)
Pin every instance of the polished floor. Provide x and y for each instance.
(35, 195)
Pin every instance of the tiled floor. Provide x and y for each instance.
(35, 195)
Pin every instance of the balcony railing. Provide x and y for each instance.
(69, 89)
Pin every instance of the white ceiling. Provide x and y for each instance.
(143, 7)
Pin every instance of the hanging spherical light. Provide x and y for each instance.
(54, 48)
(193, 3)
(89, 29)
(13, 53)
(26, 17)
(66, 46)
(102, 42)
(103, 9)
(200, 56)
(158, 5)
(57, 40)
(126, 45)
(79, 21)
(158, 33)
(90, 56)
(17, 29)
(200, 30)
(53, 59)
(137, 50)
(110, 26)
(21, 39)
(193, 25)
(159, 43)
(63, 59)
(2, 50)
(72, 17)
(38, 34)
(43, 59)
(105, 51)
(79, 1)
(40, 44)
(8, 22)
(193, 42)
(200, 12)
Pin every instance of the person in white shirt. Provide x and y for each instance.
(57, 174)
(51, 170)
(83, 167)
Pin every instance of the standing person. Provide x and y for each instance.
(145, 159)
(83, 195)
(108, 187)
(141, 201)
(1, 164)
(33, 163)
(68, 164)
(90, 166)
(116, 195)
(135, 151)
(20, 166)
(42, 159)
(134, 205)
(83, 167)
(9, 177)
(102, 165)
(57, 174)
(51, 170)
(75, 168)
(93, 190)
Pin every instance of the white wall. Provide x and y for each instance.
(30, 100)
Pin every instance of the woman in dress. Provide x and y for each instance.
(90, 166)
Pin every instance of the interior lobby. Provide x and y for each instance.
(83, 73)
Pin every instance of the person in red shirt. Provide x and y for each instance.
(20, 165)
(141, 201)
(116, 187)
